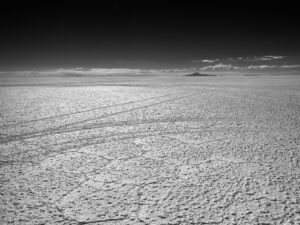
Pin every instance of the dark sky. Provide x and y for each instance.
(143, 34)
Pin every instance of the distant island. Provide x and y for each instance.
(200, 75)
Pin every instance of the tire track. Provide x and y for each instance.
(93, 140)
(130, 123)
(96, 140)
(51, 131)
(78, 112)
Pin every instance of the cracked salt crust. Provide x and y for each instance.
(182, 153)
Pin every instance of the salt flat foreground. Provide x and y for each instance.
(191, 150)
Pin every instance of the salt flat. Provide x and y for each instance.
(152, 150)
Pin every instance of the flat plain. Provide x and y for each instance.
(150, 150)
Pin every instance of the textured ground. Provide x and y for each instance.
(222, 150)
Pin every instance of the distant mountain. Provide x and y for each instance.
(200, 75)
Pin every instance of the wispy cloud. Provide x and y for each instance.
(269, 58)
(226, 67)
(257, 58)
(255, 67)
(220, 66)
(205, 60)
(241, 59)
(275, 56)
(92, 71)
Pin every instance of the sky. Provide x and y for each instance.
(150, 37)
